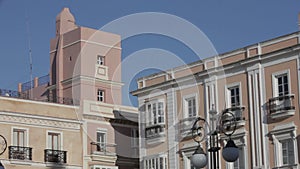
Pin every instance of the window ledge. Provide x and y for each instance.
(160, 138)
(21, 162)
(282, 114)
(292, 166)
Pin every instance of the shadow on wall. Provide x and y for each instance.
(298, 145)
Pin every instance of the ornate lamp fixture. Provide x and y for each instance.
(227, 126)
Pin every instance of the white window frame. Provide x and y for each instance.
(99, 97)
(149, 114)
(228, 93)
(275, 81)
(150, 160)
(185, 105)
(61, 139)
(102, 131)
(100, 60)
(280, 133)
(26, 136)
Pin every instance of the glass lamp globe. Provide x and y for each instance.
(199, 159)
(230, 152)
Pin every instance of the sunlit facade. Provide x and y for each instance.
(73, 117)
(258, 83)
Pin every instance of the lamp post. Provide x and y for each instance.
(227, 126)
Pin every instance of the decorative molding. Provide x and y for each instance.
(39, 121)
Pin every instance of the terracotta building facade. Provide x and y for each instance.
(258, 84)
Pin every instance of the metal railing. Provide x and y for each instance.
(44, 80)
(20, 153)
(156, 130)
(41, 81)
(186, 124)
(62, 100)
(98, 148)
(55, 156)
(14, 94)
(237, 111)
(25, 95)
(281, 103)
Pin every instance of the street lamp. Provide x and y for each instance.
(227, 126)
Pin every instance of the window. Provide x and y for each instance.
(191, 107)
(54, 141)
(19, 137)
(100, 95)
(285, 144)
(281, 84)
(155, 119)
(100, 60)
(239, 163)
(159, 162)
(155, 113)
(101, 141)
(234, 96)
(287, 149)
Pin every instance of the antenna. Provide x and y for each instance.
(30, 53)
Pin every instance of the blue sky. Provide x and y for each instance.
(228, 24)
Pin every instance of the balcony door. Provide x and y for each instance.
(19, 137)
(54, 141)
(101, 141)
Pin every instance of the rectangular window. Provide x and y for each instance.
(19, 137)
(234, 96)
(100, 60)
(287, 152)
(155, 113)
(282, 85)
(191, 107)
(159, 162)
(100, 95)
(101, 141)
(54, 141)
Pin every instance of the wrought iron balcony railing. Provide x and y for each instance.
(281, 103)
(103, 148)
(55, 156)
(282, 106)
(185, 126)
(156, 130)
(237, 111)
(20, 153)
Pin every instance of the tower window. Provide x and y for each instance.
(100, 95)
(100, 60)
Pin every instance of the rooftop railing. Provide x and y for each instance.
(25, 95)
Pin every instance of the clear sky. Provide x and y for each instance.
(228, 25)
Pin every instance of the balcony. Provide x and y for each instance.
(20, 153)
(238, 115)
(55, 156)
(282, 106)
(103, 152)
(155, 133)
(185, 126)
